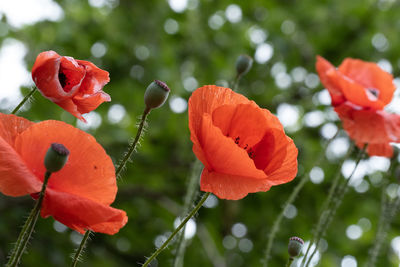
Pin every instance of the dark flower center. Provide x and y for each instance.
(62, 78)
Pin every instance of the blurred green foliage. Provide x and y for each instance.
(147, 40)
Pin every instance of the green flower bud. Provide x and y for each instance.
(156, 94)
(295, 246)
(56, 157)
(243, 64)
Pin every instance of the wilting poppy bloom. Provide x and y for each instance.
(243, 147)
(359, 91)
(80, 194)
(74, 85)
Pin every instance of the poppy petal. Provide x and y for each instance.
(369, 75)
(89, 172)
(82, 214)
(69, 105)
(15, 178)
(45, 74)
(90, 102)
(325, 70)
(94, 80)
(368, 126)
(223, 155)
(231, 187)
(11, 126)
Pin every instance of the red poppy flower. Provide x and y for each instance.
(244, 148)
(359, 91)
(74, 85)
(79, 195)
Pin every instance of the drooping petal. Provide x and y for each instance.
(231, 187)
(89, 172)
(94, 80)
(69, 105)
(223, 155)
(90, 102)
(369, 75)
(82, 214)
(15, 178)
(369, 126)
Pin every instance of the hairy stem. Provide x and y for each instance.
(24, 100)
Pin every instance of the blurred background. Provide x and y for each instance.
(187, 44)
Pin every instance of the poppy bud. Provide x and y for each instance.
(56, 157)
(295, 246)
(156, 94)
(243, 64)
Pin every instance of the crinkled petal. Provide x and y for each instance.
(223, 155)
(94, 80)
(231, 187)
(45, 74)
(205, 100)
(369, 75)
(82, 214)
(69, 105)
(89, 172)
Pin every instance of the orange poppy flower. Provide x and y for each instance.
(74, 85)
(79, 195)
(359, 91)
(243, 147)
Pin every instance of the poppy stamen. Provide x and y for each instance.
(237, 139)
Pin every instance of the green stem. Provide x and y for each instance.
(290, 261)
(189, 198)
(176, 231)
(325, 221)
(289, 201)
(28, 227)
(132, 147)
(79, 251)
(236, 82)
(24, 100)
(325, 207)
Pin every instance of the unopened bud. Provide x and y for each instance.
(243, 64)
(56, 157)
(156, 94)
(295, 246)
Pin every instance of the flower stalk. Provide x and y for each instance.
(28, 227)
(176, 231)
(15, 110)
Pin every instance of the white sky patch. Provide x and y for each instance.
(93, 121)
(13, 72)
(348, 261)
(354, 232)
(190, 228)
(233, 13)
(116, 113)
(288, 114)
(257, 35)
(314, 118)
(26, 12)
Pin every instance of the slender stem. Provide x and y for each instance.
(79, 251)
(236, 82)
(325, 207)
(28, 227)
(176, 231)
(120, 167)
(336, 201)
(289, 201)
(189, 198)
(289, 263)
(132, 147)
(24, 100)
